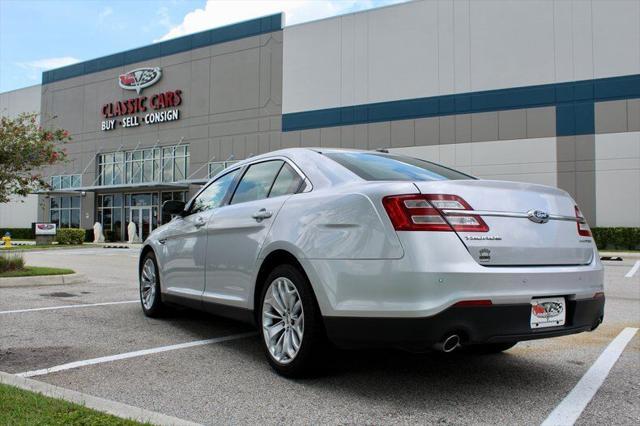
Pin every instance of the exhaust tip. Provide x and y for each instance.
(450, 343)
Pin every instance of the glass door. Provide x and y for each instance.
(141, 217)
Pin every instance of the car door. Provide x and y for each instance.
(237, 230)
(186, 243)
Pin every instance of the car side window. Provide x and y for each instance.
(214, 194)
(287, 182)
(257, 181)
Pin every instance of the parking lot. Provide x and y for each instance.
(99, 327)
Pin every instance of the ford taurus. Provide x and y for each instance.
(318, 246)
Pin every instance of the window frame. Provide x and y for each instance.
(244, 172)
(225, 199)
(305, 185)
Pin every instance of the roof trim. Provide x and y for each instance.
(253, 27)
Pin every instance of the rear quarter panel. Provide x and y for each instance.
(348, 222)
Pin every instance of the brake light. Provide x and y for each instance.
(423, 212)
(583, 227)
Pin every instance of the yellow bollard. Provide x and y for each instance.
(7, 240)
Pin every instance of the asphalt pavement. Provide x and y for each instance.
(213, 381)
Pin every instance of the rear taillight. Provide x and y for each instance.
(583, 227)
(423, 212)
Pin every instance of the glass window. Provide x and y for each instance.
(75, 218)
(65, 212)
(256, 182)
(215, 168)
(378, 167)
(287, 182)
(213, 195)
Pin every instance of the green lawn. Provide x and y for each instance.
(20, 407)
(46, 247)
(32, 271)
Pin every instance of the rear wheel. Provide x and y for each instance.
(150, 298)
(291, 324)
(490, 348)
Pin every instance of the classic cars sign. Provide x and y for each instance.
(141, 110)
(45, 229)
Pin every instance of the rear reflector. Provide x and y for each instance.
(583, 227)
(422, 212)
(468, 303)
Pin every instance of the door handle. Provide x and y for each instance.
(261, 214)
(200, 222)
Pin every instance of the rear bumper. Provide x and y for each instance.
(480, 324)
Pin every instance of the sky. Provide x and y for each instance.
(37, 35)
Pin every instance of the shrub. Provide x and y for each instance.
(70, 236)
(617, 238)
(18, 233)
(11, 262)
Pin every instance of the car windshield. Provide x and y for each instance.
(375, 166)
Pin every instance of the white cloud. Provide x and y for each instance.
(50, 63)
(107, 11)
(217, 13)
(34, 68)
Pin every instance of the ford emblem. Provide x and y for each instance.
(538, 216)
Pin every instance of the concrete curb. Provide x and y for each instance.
(620, 253)
(43, 280)
(104, 405)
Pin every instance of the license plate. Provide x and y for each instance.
(548, 312)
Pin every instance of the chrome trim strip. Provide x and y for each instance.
(453, 212)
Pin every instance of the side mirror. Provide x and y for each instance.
(173, 207)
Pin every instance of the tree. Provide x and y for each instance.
(25, 147)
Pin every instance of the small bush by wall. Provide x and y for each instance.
(617, 238)
(18, 233)
(11, 262)
(70, 236)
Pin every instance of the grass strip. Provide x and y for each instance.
(21, 407)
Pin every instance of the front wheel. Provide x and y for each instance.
(291, 325)
(150, 298)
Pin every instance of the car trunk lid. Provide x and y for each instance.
(520, 233)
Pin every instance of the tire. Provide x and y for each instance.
(284, 328)
(149, 279)
(490, 348)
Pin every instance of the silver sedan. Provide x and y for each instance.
(353, 248)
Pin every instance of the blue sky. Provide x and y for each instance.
(46, 34)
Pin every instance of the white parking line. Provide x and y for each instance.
(133, 354)
(633, 269)
(52, 308)
(568, 411)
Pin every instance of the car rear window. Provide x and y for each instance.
(378, 166)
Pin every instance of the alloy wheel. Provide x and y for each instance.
(283, 320)
(148, 283)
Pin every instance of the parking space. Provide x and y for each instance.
(229, 380)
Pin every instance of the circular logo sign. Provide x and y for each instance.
(538, 216)
(139, 78)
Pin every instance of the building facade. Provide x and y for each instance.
(538, 91)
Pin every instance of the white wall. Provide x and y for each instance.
(22, 100)
(428, 48)
(21, 212)
(521, 160)
(618, 179)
